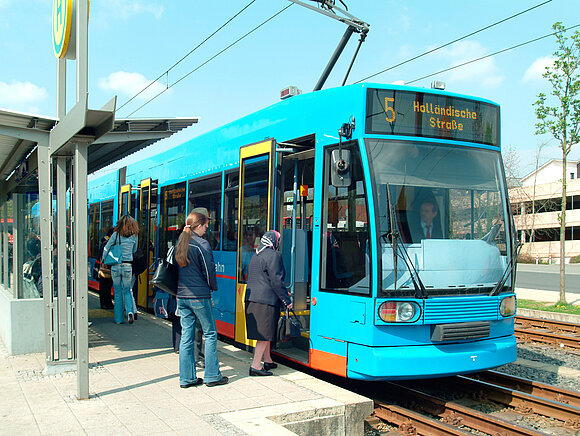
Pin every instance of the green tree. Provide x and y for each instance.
(559, 115)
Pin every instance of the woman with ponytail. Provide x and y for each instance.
(197, 279)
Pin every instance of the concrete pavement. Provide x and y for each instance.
(134, 389)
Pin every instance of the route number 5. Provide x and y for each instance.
(389, 110)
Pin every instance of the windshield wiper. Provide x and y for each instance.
(393, 233)
(505, 275)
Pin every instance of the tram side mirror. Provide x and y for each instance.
(340, 174)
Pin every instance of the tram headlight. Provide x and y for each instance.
(398, 311)
(507, 307)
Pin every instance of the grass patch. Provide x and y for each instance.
(549, 307)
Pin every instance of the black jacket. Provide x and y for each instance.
(197, 279)
(266, 279)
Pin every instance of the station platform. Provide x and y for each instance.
(134, 389)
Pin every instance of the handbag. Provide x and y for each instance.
(139, 262)
(115, 254)
(104, 271)
(166, 274)
(288, 326)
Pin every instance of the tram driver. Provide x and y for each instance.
(427, 226)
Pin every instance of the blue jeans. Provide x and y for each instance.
(192, 311)
(121, 275)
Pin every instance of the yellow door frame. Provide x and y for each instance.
(261, 148)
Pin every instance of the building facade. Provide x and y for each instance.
(536, 205)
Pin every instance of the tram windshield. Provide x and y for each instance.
(448, 207)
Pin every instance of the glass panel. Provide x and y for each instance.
(32, 267)
(172, 216)
(124, 203)
(10, 243)
(254, 210)
(208, 193)
(345, 243)
(450, 211)
(230, 242)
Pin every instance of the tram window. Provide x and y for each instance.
(94, 229)
(172, 216)
(345, 243)
(207, 192)
(231, 211)
(106, 217)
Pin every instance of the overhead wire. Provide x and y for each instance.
(166, 72)
(490, 55)
(453, 42)
(212, 58)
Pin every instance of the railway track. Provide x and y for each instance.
(489, 402)
(547, 331)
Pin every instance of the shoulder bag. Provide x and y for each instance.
(115, 254)
(166, 274)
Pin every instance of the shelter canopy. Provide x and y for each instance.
(20, 134)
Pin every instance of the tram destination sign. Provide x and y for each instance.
(407, 113)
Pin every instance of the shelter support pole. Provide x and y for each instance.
(80, 238)
(17, 245)
(63, 303)
(45, 199)
(6, 248)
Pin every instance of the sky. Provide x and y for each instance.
(134, 42)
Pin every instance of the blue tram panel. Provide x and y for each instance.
(401, 233)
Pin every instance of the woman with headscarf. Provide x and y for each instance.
(265, 295)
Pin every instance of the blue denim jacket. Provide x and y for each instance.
(128, 245)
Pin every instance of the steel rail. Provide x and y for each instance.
(456, 414)
(547, 337)
(528, 386)
(550, 324)
(521, 401)
(410, 422)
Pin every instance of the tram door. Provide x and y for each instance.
(147, 219)
(125, 201)
(296, 224)
(256, 203)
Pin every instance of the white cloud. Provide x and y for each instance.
(126, 9)
(485, 71)
(130, 84)
(22, 96)
(538, 67)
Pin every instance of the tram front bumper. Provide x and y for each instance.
(427, 361)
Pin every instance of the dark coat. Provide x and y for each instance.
(198, 278)
(266, 279)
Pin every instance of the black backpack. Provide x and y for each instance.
(139, 262)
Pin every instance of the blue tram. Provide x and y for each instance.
(397, 235)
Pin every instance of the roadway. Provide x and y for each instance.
(542, 282)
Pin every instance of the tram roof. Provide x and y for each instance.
(18, 131)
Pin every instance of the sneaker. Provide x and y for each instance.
(195, 383)
(200, 364)
(131, 318)
(222, 381)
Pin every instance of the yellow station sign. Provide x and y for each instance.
(62, 16)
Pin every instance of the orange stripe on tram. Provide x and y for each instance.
(329, 362)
